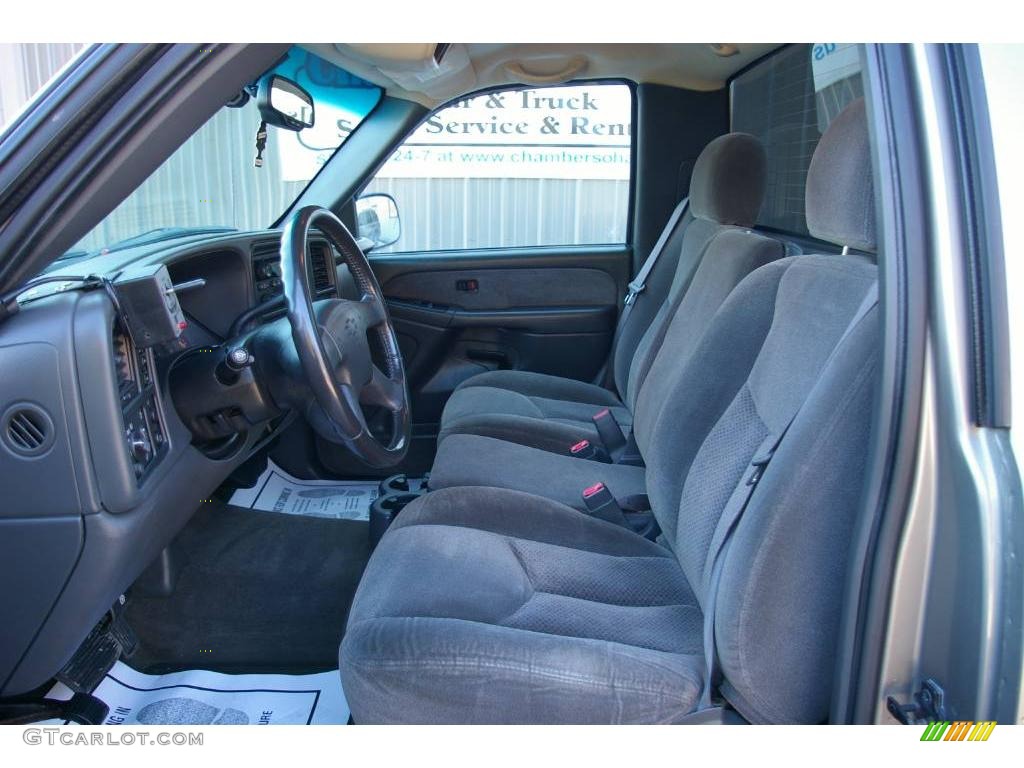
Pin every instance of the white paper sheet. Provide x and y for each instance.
(277, 491)
(198, 697)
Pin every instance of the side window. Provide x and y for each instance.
(788, 101)
(506, 169)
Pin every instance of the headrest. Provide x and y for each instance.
(840, 194)
(728, 180)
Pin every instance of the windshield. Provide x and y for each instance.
(211, 183)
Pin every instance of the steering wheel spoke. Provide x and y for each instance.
(383, 390)
(373, 312)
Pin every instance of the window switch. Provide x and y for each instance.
(470, 286)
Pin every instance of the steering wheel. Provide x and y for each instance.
(333, 341)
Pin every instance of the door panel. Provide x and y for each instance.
(587, 319)
(496, 289)
(457, 314)
(613, 259)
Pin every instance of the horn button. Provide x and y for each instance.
(343, 335)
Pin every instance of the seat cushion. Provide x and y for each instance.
(534, 409)
(485, 605)
(478, 460)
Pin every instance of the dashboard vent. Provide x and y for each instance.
(267, 248)
(27, 430)
(320, 259)
(321, 275)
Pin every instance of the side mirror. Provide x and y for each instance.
(284, 103)
(377, 220)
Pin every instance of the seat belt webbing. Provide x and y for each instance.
(639, 283)
(737, 505)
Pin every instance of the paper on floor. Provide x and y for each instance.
(198, 697)
(277, 491)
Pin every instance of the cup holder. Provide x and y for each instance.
(397, 502)
(396, 493)
(399, 484)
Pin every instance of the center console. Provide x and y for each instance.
(266, 272)
(144, 431)
(396, 493)
(148, 315)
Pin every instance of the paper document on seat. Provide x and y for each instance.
(277, 491)
(200, 697)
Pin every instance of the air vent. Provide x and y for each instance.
(321, 276)
(263, 254)
(27, 429)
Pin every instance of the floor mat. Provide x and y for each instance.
(198, 697)
(255, 592)
(277, 491)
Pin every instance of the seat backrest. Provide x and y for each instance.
(726, 191)
(731, 255)
(778, 348)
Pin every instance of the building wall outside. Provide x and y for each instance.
(25, 68)
(210, 181)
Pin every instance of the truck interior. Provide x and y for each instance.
(587, 444)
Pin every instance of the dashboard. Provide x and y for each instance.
(239, 278)
(99, 472)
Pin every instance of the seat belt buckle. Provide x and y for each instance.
(611, 434)
(584, 449)
(601, 504)
(598, 498)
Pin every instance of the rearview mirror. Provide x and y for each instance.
(284, 103)
(377, 220)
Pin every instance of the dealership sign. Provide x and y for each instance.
(570, 132)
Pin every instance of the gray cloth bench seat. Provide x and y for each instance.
(490, 605)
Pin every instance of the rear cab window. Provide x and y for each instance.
(787, 101)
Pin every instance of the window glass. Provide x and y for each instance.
(788, 101)
(212, 181)
(25, 68)
(522, 168)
